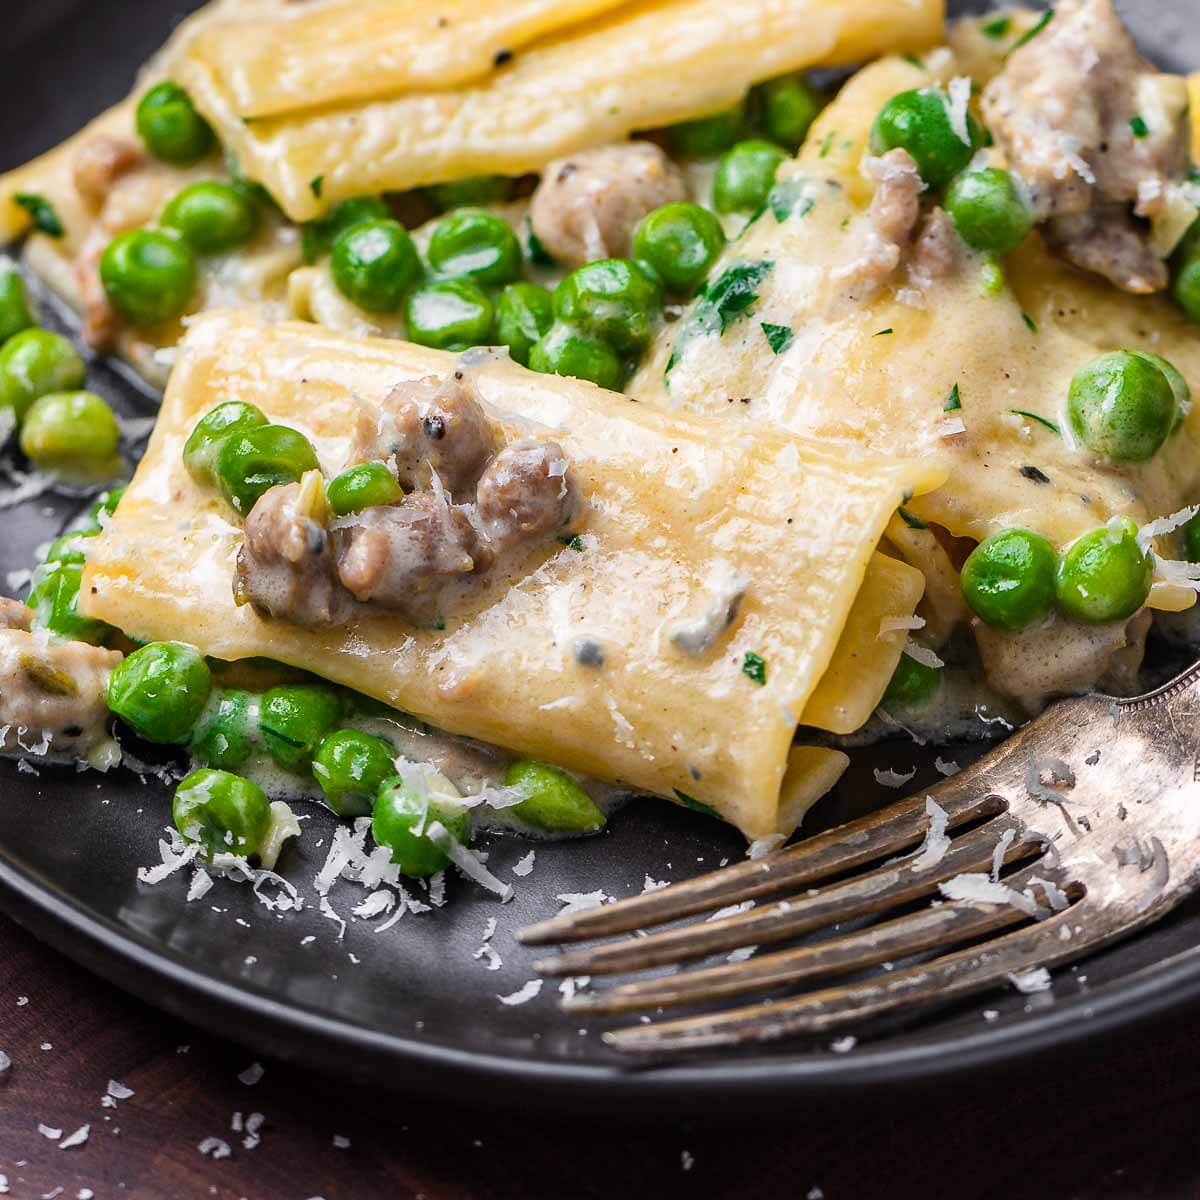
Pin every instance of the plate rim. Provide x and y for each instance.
(405, 1063)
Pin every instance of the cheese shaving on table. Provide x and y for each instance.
(1028, 982)
(1005, 840)
(946, 767)
(893, 779)
(980, 888)
(524, 994)
(937, 842)
(577, 902)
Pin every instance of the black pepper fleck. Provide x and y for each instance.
(1035, 475)
(502, 57)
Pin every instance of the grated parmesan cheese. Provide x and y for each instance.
(937, 842)
(523, 994)
(960, 97)
(893, 779)
(1028, 982)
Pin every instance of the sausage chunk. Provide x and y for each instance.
(15, 615)
(100, 162)
(427, 427)
(588, 205)
(1094, 130)
(525, 495)
(285, 567)
(896, 204)
(407, 557)
(52, 698)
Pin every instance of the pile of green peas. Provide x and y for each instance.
(165, 692)
(62, 429)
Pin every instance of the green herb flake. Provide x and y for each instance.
(572, 541)
(827, 144)
(42, 211)
(779, 337)
(998, 28)
(316, 185)
(1034, 30)
(953, 401)
(911, 519)
(754, 666)
(1139, 127)
(791, 198)
(695, 805)
(913, 60)
(1020, 412)
(1030, 323)
(993, 277)
(720, 302)
(884, 332)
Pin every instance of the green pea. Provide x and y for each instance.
(1179, 386)
(210, 434)
(351, 767)
(171, 127)
(160, 691)
(988, 210)
(211, 217)
(1121, 407)
(253, 461)
(148, 275)
(483, 189)
(35, 363)
(1008, 580)
(14, 307)
(679, 243)
(1186, 287)
(1104, 575)
(54, 599)
(912, 684)
(401, 820)
(374, 264)
(920, 122)
(613, 299)
(706, 137)
(790, 105)
(295, 719)
(475, 244)
(452, 315)
(745, 175)
(318, 237)
(223, 813)
(1191, 539)
(227, 735)
(73, 434)
(554, 802)
(367, 485)
(524, 313)
(568, 351)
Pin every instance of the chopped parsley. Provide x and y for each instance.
(1139, 127)
(953, 401)
(754, 666)
(720, 302)
(779, 337)
(915, 61)
(1030, 323)
(695, 805)
(316, 185)
(572, 541)
(827, 144)
(993, 277)
(1020, 412)
(884, 332)
(791, 198)
(42, 211)
(1034, 30)
(911, 519)
(998, 28)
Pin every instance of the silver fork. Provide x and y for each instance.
(1090, 815)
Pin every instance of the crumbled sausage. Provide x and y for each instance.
(285, 567)
(406, 557)
(1067, 112)
(896, 205)
(100, 162)
(14, 614)
(525, 494)
(100, 320)
(52, 697)
(938, 252)
(426, 426)
(588, 205)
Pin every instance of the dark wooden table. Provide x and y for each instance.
(1120, 1123)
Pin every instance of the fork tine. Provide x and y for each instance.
(874, 836)
(957, 974)
(884, 888)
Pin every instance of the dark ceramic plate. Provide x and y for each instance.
(412, 1007)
